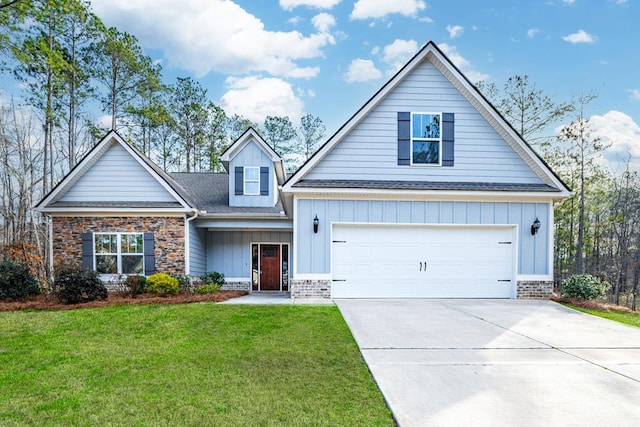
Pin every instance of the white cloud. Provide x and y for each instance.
(463, 64)
(568, 1)
(619, 130)
(634, 94)
(258, 97)
(362, 70)
(532, 32)
(398, 53)
(455, 31)
(323, 22)
(318, 4)
(580, 36)
(216, 35)
(364, 9)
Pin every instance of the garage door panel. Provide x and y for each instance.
(422, 261)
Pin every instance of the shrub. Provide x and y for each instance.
(210, 288)
(74, 285)
(16, 282)
(584, 286)
(213, 278)
(184, 283)
(162, 284)
(136, 284)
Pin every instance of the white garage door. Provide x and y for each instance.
(401, 261)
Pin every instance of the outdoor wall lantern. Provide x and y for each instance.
(535, 227)
(315, 224)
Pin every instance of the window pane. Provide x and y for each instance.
(106, 243)
(285, 267)
(426, 126)
(107, 264)
(132, 264)
(131, 243)
(254, 266)
(251, 174)
(251, 188)
(425, 152)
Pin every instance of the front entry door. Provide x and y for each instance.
(269, 267)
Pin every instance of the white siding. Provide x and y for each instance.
(197, 250)
(117, 177)
(370, 150)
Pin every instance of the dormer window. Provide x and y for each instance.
(251, 181)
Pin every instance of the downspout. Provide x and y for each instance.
(50, 228)
(187, 254)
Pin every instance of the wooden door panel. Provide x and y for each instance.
(269, 267)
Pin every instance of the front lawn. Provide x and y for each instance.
(619, 315)
(196, 364)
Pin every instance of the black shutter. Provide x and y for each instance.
(447, 139)
(264, 181)
(149, 259)
(404, 138)
(239, 180)
(87, 251)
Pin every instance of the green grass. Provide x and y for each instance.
(196, 364)
(626, 317)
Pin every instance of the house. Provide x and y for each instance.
(425, 192)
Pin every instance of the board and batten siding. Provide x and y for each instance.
(197, 250)
(370, 149)
(314, 250)
(229, 252)
(251, 155)
(117, 177)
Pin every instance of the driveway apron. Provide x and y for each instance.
(498, 362)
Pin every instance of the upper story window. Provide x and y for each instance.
(119, 253)
(252, 181)
(426, 138)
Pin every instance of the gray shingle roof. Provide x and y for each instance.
(210, 192)
(422, 185)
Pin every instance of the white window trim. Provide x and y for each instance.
(244, 184)
(411, 139)
(119, 253)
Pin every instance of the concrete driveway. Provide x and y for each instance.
(498, 362)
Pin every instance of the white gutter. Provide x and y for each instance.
(187, 255)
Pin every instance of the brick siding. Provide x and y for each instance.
(168, 238)
(535, 290)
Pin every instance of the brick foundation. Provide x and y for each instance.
(534, 290)
(168, 238)
(236, 286)
(320, 289)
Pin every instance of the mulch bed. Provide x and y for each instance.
(42, 302)
(591, 305)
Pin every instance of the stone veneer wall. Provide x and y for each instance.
(168, 238)
(236, 286)
(310, 289)
(535, 290)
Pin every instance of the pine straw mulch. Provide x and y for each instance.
(592, 305)
(42, 302)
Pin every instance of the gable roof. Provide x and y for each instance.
(430, 52)
(252, 135)
(52, 203)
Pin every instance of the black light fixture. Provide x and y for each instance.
(316, 221)
(535, 227)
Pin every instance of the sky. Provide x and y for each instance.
(328, 57)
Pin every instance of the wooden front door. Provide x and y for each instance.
(269, 267)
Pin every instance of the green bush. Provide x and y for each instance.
(184, 283)
(74, 285)
(584, 286)
(16, 282)
(162, 284)
(213, 278)
(136, 284)
(210, 288)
